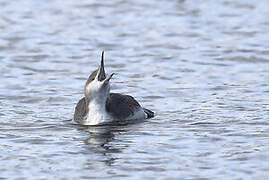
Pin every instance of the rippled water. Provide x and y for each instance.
(202, 66)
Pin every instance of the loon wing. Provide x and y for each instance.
(80, 110)
(122, 106)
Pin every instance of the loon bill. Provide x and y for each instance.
(99, 106)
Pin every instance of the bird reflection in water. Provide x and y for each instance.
(104, 139)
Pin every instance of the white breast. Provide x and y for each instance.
(96, 115)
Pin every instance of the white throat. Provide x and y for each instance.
(96, 112)
(97, 93)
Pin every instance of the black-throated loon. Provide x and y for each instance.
(99, 106)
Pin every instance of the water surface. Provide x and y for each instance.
(202, 66)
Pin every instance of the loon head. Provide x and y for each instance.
(97, 85)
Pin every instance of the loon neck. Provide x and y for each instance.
(96, 111)
(98, 102)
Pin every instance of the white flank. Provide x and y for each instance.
(140, 114)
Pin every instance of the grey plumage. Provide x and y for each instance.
(121, 106)
(118, 105)
(80, 111)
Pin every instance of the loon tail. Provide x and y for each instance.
(149, 113)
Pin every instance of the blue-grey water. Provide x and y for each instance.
(202, 66)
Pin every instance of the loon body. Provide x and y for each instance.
(99, 106)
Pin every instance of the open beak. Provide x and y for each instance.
(101, 75)
(107, 79)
